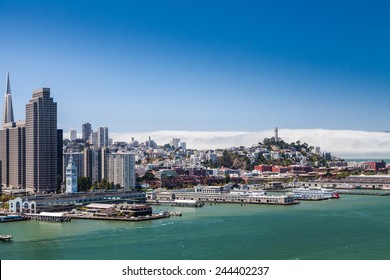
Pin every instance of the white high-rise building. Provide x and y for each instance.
(121, 169)
(71, 177)
(72, 134)
(183, 146)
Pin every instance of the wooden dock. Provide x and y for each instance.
(6, 237)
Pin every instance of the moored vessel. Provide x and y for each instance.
(313, 194)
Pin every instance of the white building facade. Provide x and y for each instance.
(18, 205)
(121, 169)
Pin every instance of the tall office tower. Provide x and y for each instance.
(13, 153)
(78, 160)
(60, 151)
(86, 131)
(93, 164)
(103, 136)
(41, 142)
(71, 177)
(72, 134)
(12, 145)
(175, 142)
(121, 168)
(8, 114)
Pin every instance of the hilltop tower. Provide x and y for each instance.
(276, 134)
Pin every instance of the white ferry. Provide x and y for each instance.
(313, 193)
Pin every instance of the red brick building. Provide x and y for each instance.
(263, 168)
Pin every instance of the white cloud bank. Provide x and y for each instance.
(343, 143)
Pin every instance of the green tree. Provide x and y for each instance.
(148, 176)
(83, 184)
(5, 197)
(226, 160)
(59, 183)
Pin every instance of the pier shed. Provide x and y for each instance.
(181, 203)
(102, 209)
(51, 217)
(187, 203)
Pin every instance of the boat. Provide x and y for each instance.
(13, 218)
(7, 237)
(313, 193)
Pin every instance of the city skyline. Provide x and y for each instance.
(246, 67)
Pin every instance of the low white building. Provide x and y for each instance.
(18, 205)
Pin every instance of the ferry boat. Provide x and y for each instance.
(13, 218)
(313, 193)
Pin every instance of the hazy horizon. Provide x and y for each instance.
(342, 143)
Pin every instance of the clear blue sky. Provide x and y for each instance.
(202, 65)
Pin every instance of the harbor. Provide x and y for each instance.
(354, 227)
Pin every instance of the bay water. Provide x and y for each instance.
(352, 227)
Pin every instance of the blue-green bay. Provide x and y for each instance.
(353, 227)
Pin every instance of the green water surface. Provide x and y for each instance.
(353, 227)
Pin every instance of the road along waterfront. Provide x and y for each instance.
(352, 227)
